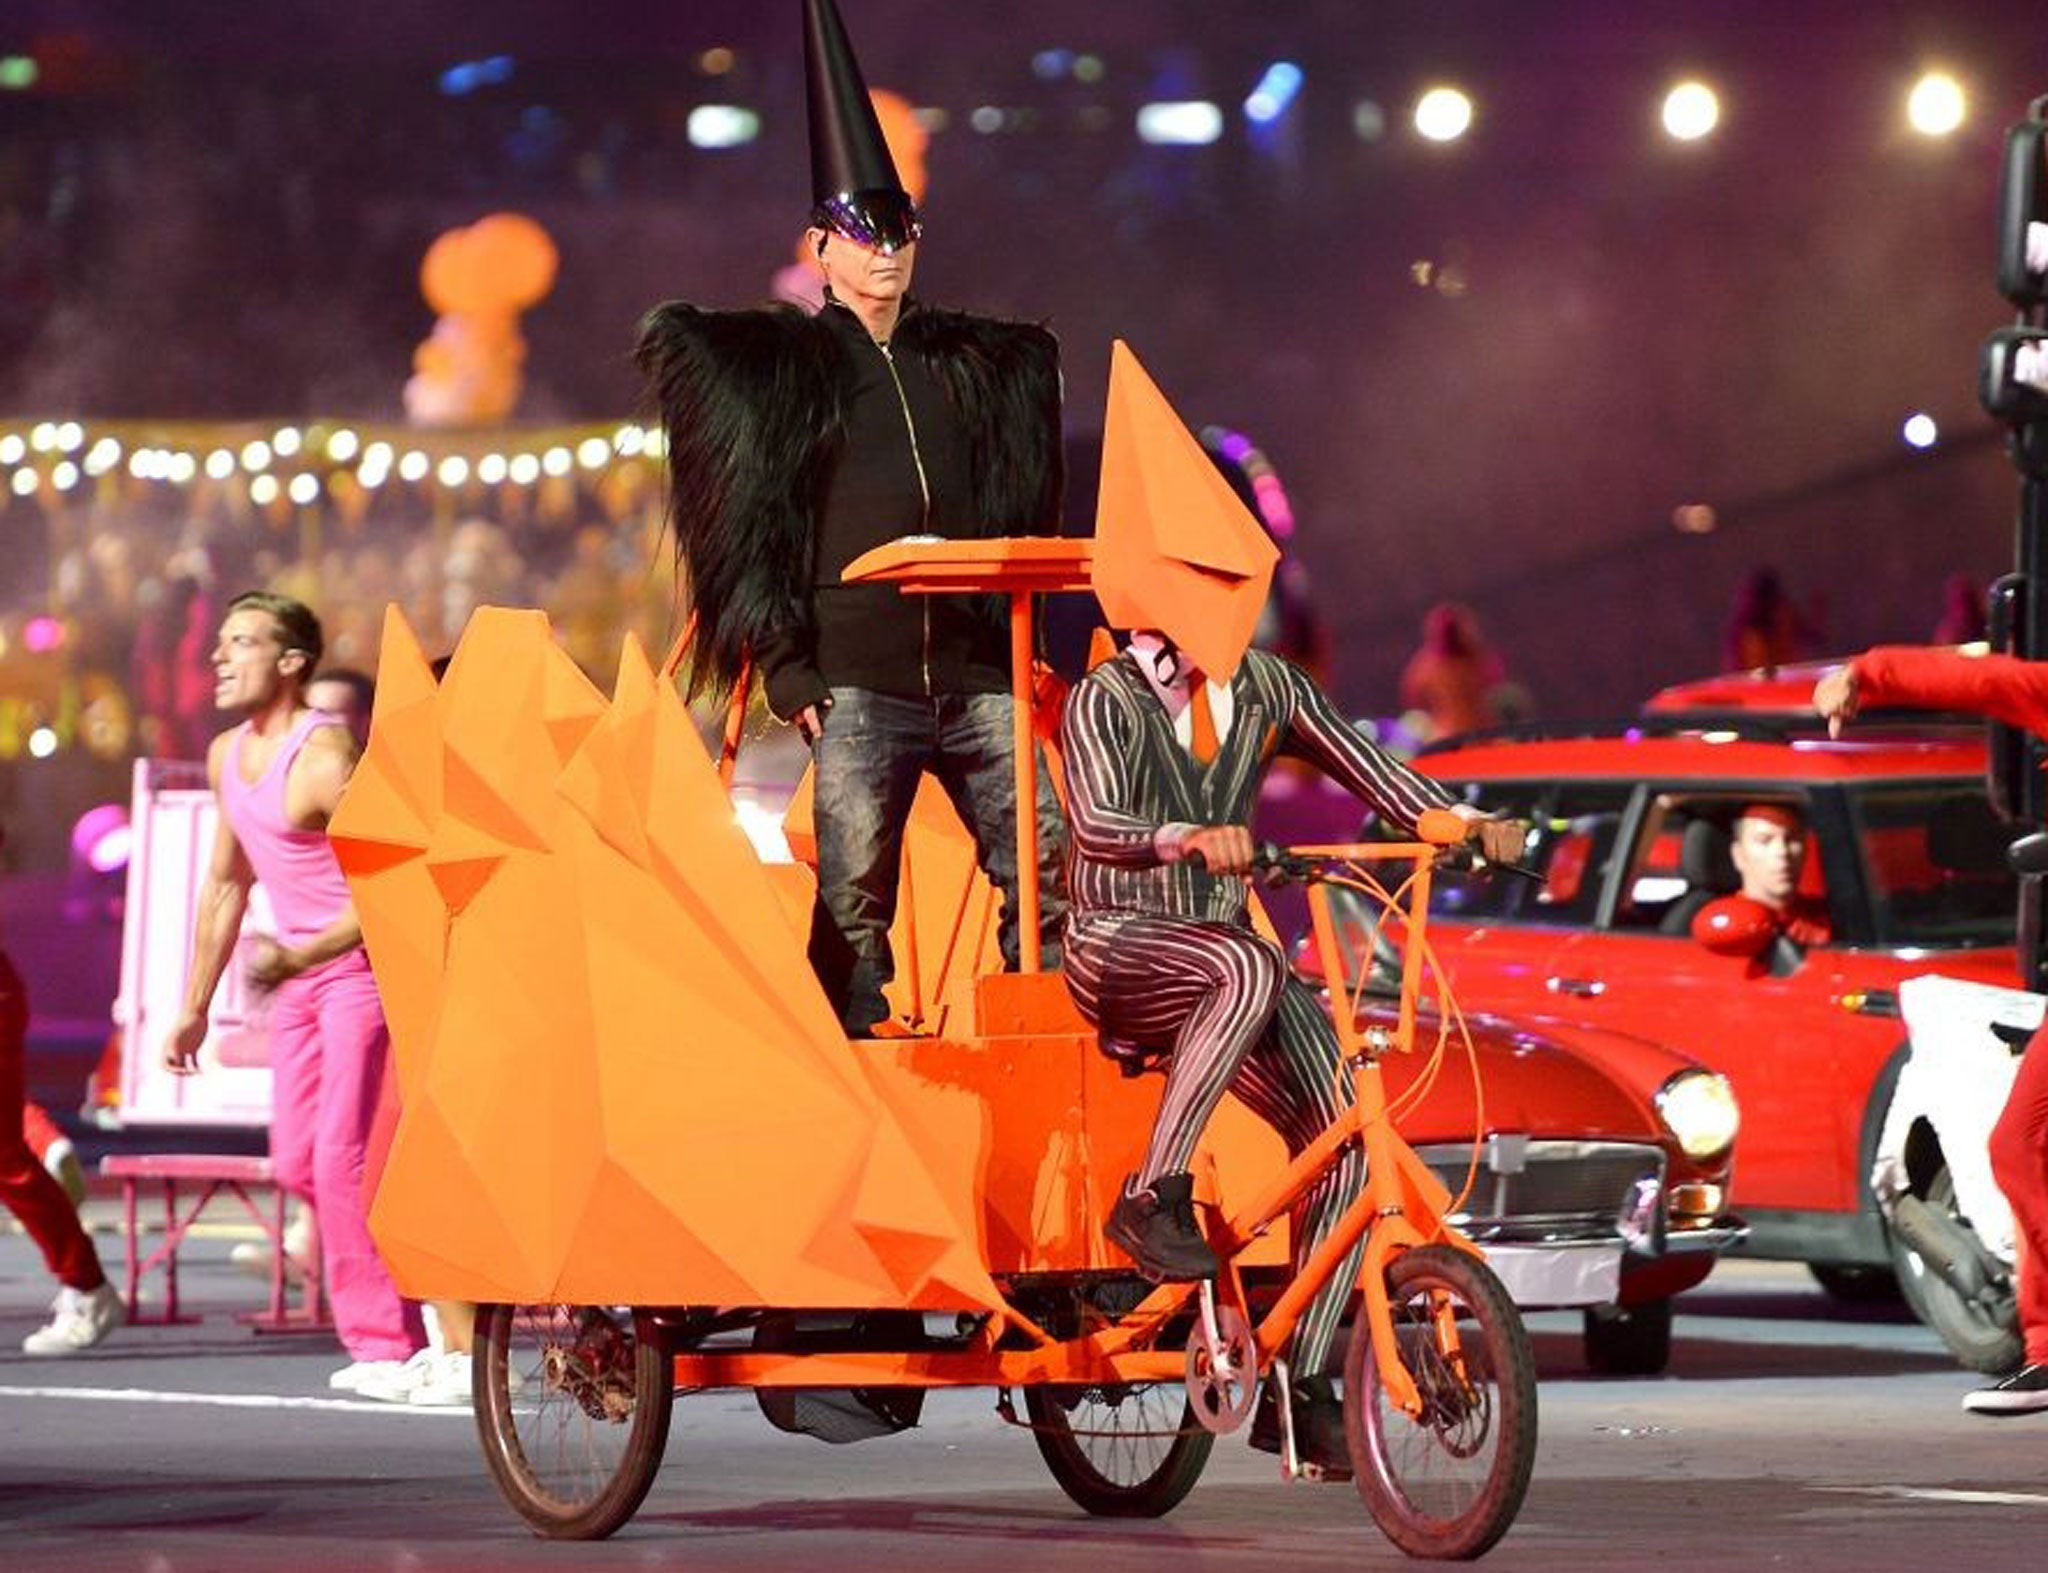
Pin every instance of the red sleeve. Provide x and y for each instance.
(2012, 690)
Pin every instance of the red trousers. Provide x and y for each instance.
(2019, 1162)
(25, 1185)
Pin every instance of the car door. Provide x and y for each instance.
(1498, 935)
(1780, 1034)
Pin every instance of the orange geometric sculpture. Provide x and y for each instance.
(620, 1080)
(1175, 548)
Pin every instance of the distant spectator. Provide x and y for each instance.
(1450, 681)
(1962, 611)
(1765, 630)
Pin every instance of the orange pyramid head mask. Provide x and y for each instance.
(1175, 549)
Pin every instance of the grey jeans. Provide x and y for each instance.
(872, 751)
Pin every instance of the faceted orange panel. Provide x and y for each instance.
(620, 1079)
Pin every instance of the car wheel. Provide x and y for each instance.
(1629, 1340)
(1981, 1338)
(1856, 1285)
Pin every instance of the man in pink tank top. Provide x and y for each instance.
(278, 777)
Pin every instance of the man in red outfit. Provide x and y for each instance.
(1768, 849)
(2015, 692)
(87, 1307)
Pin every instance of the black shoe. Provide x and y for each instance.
(1157, 1229)
(2025, 1392)
(1318, 1425)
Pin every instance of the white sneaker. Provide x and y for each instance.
(350, 1378)
(401, 1381)
(80, 1319)
(447, 1382)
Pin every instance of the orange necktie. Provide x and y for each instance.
(1202, 720)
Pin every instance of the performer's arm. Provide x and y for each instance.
(223, 897)
(1099, 749)
(790, 681)
(1360, 766)
(2012, 690)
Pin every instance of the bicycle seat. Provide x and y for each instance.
(1132, 1057)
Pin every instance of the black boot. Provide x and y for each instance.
(1157, 1229)
(1318, 1424)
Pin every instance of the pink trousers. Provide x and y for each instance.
(2019, 1161)
(26, 1188)
(328, 1053)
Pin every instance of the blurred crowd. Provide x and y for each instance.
(112, 651)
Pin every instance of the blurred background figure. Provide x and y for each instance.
(345, 692)
(1451, 681)
(1962, 611)
(1765, 629)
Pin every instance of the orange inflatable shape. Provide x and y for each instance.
(1175, 548)
(619, 1079)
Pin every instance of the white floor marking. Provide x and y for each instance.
(143, 1395)
(1940, 1494)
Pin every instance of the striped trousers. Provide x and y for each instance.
(1221, 998)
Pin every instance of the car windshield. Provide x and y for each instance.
(1934, 857)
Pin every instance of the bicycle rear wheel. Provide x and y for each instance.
(572, 1407)
(1120, 1452)
(1446, 1483)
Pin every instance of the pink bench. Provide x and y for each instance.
(209, 1174)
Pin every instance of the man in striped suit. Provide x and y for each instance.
(1164, 763)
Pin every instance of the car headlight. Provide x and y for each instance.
(1698, 1109)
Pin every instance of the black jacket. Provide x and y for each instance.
(791, 452)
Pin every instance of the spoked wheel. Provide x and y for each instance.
(1121, 1452)
(572, 1407)
(1446, 1483)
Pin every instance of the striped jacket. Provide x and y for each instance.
(1128, 778)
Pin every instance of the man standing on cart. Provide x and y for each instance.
(1165, 748)
(796, 443)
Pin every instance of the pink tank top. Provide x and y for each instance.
(297, 868)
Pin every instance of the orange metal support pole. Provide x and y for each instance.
(673, 661)
(1027, 781)
(735, 719)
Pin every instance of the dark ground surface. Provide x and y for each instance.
(1791, 1431)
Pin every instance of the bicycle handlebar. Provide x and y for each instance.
(1274, 865)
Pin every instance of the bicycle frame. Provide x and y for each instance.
(1401, 1205)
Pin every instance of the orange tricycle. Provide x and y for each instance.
(634, 1134)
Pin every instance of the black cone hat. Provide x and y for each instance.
(854, 185)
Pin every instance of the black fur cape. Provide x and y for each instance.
(752, 401)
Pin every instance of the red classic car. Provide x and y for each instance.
(1600, 1179)
(1631, 829)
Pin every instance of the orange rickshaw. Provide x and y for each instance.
(634, 1133)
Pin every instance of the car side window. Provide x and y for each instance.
(1470, 897)
(1574, 843)
(1573, 830)
(1682, 860)
(1497, 897)
(1934, 861)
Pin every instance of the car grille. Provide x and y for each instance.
(1548, 1185)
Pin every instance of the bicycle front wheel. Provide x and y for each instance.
(1448, 1482)
(572, 1408)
